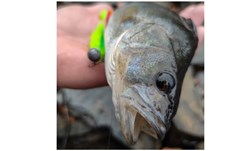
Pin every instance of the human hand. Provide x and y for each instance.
(75, 24)
(196, 13)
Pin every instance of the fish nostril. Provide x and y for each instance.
(151, 92)
(142, 106)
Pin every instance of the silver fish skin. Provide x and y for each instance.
(144, 41)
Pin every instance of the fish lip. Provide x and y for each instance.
(150, 115)
(152, 121)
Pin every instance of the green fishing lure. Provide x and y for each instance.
(97, 47)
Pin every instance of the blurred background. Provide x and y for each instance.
(85, 118)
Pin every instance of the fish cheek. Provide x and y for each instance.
(158, 99)
(121, 62)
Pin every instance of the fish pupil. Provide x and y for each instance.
(162, 85)
(165, 82)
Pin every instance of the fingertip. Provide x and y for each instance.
(200, 31)
(187, 11)
(194, 12)
(101, 6)
(200, 7)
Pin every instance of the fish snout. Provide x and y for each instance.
(143, 110)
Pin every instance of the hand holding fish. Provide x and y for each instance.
(147, 54)
(75, 24)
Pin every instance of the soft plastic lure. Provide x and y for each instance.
(97, 48)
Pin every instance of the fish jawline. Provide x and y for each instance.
(137, 121)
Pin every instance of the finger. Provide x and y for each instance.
(73, 69)
(195, 12)
(100, 6)
(80, 20)
(200, 31)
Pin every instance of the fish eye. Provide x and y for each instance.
(165, 82)
(94, 55)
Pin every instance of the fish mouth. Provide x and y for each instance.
(138, 114)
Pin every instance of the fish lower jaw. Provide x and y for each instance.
(154, 128)
(137, 124)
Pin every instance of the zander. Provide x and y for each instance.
(147, 52)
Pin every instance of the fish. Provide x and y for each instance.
(148, 49)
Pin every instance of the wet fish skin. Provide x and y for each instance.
(143, 40)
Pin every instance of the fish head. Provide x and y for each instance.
(150, 67)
